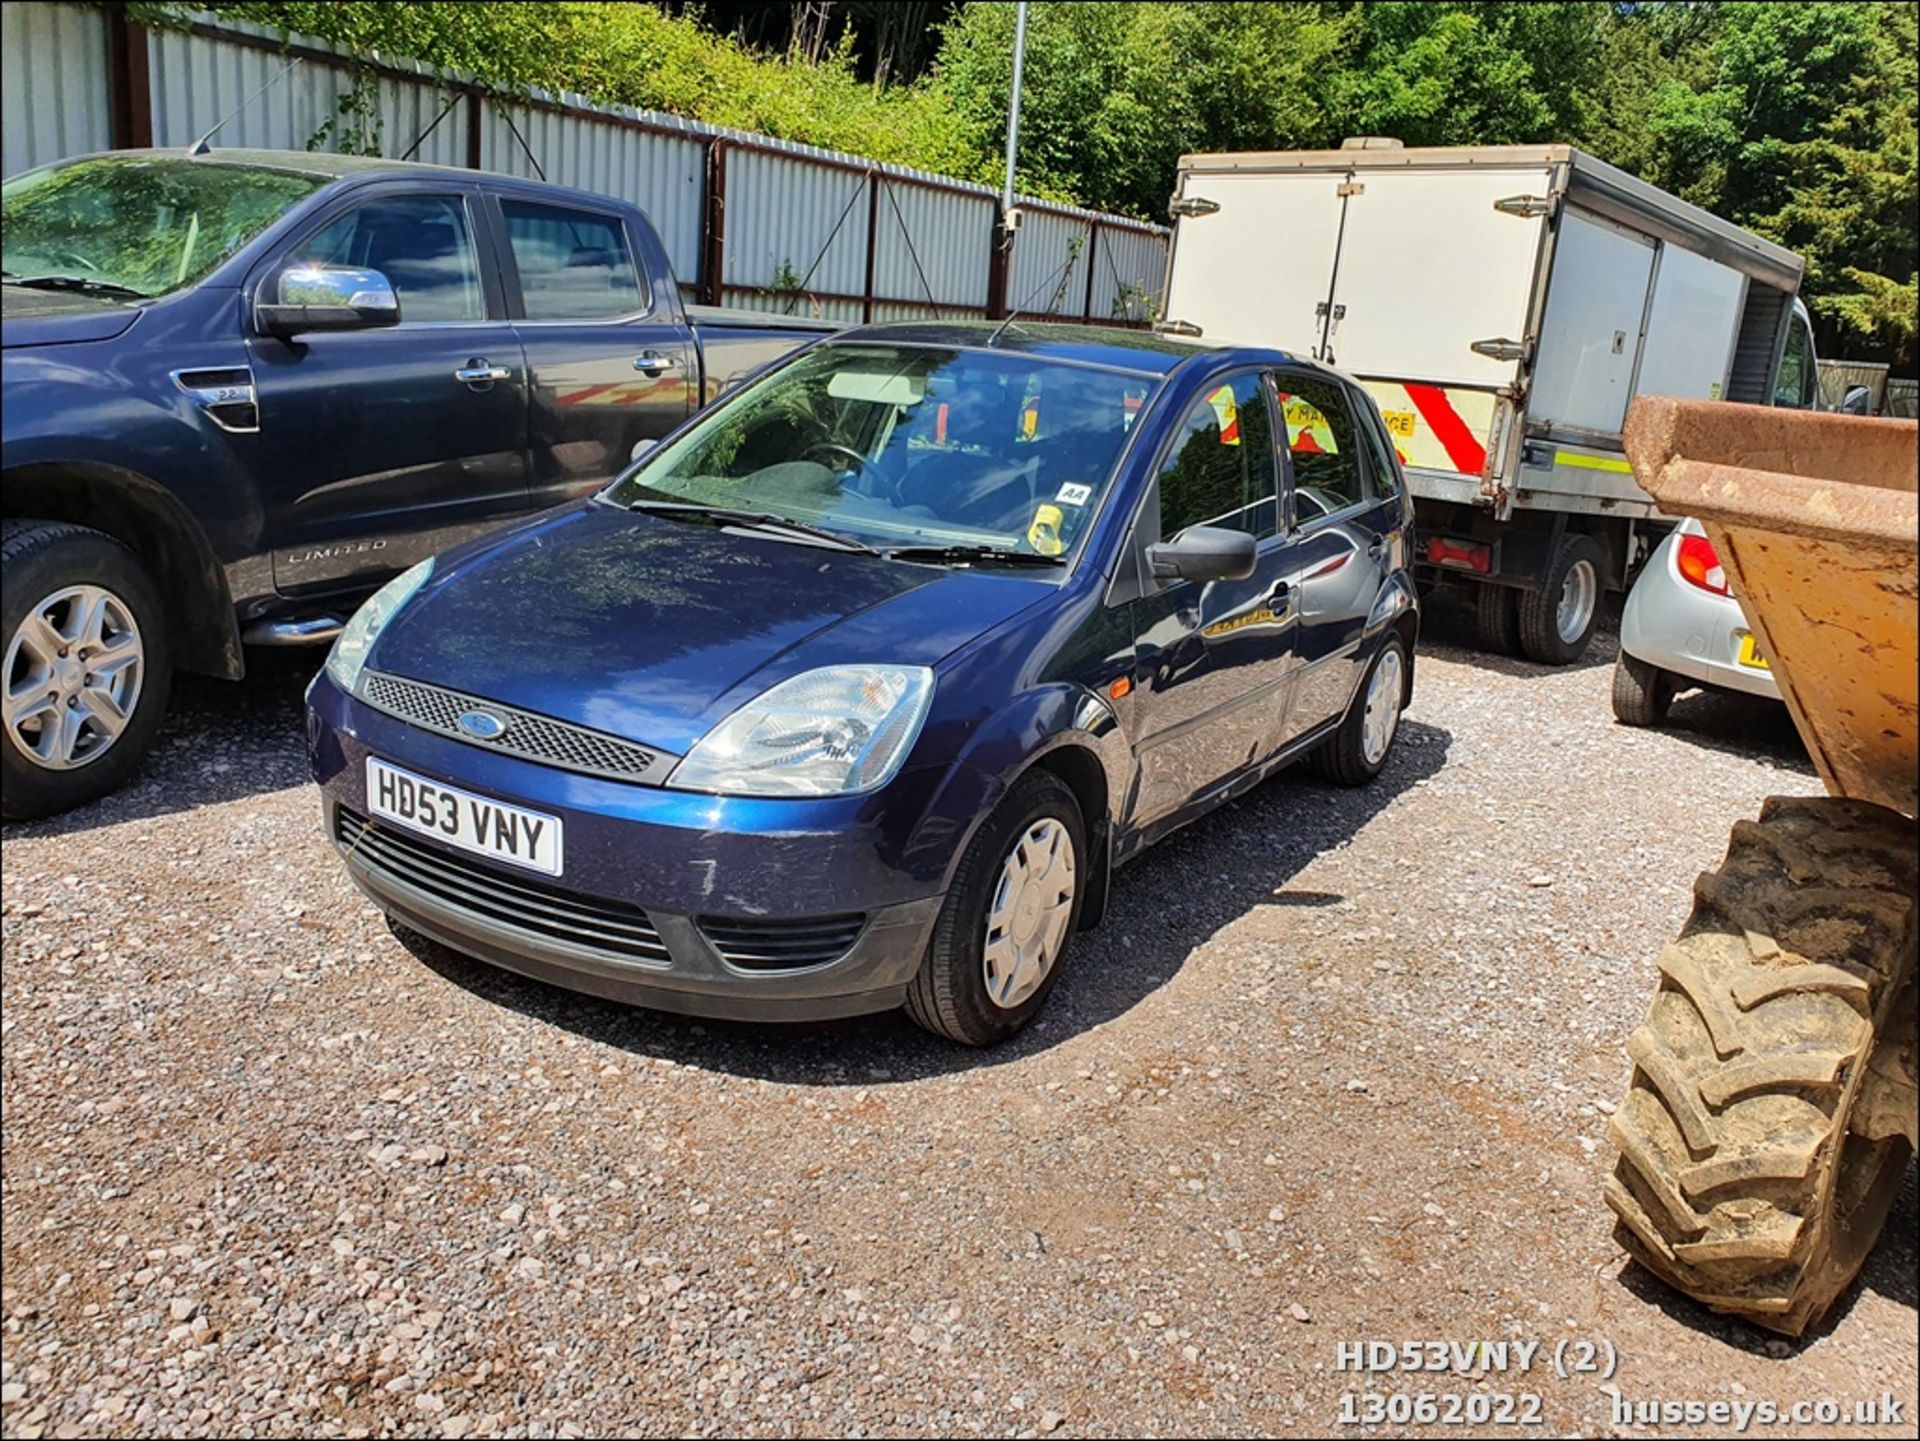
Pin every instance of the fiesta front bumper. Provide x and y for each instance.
(660, 888)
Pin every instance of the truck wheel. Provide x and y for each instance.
(1771, 1112)
(87, 667)
(1499, 617)
(1357, 752)
(1642, 693)
(1557, 621)
(1008, 920)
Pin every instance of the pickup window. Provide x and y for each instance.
(421, 243)
(574, 265)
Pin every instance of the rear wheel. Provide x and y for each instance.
(1771, 1113)
(87, 666)
(1642, 693)
(1008, 918)
(1499, 617)
(1557, 621)
(1357, 752)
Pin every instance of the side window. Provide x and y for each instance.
(1380, 453)
(1220, 468)
(1794, 385)
(1328, 474)
(573, 265)
(421, 243)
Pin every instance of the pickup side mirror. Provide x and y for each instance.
(327, 297)
(1205, 552)
(1857, 401)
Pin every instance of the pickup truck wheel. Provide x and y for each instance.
(1357, 752)
(1770, 1117)
(87, 667)
(1557, 621)
(1642, 693)
(1008, 919)
(1499, 618)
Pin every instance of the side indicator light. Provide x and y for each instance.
(1121, 687)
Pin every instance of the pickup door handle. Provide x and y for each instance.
(478, 372)
(653, 360)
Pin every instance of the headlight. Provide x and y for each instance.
(349, 653)
(830, 732)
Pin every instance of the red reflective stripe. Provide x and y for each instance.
(1330, 567)
(575, 397)
(1468, 455)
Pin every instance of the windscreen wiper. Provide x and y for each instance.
(79, 282)
(971, 554)
(751, 520)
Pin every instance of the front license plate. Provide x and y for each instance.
(460, 818)
(1749, 653)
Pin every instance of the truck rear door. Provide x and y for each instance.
(1416, 279)
(610, 358)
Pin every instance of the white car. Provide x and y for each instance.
(1681, 628)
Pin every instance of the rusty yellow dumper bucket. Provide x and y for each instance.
(1771, 1114)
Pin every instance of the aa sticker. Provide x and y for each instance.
(1071, 494)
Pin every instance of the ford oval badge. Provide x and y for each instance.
(483, 725)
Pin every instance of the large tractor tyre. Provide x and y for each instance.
(1557, 620)
(1498, 616)
(1770, 1117)
(87, 666)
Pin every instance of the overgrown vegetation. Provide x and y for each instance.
(1794, 119)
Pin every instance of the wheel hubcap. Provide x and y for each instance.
(1382, 716)
(1578, 592)
(1027, 918)
(73, 674)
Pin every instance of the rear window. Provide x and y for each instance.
(573, 264)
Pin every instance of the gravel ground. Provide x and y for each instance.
(1336, 1069)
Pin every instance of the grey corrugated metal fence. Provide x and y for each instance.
(744, 218)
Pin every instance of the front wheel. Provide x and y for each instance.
(87, 667)
(1357, 752)
(1008, 919)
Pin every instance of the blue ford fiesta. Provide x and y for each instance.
(855, 692)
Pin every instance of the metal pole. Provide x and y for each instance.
(1013, 108)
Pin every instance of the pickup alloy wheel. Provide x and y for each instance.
(86, 667)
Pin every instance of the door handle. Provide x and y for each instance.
(479, 372)
(652, 361)
(1374, 550)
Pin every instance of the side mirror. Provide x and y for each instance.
(1203, 553)
(328, 297)
(1857, 401)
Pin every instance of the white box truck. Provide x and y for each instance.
(1503, 304)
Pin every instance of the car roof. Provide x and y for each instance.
(1118, 347)
(316, 163)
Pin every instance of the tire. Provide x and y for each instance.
(1499, 618)
(950, 995)
(1642, 693)
(1346, 757)
(1758, 1159)
(42, 560)
(1581, 563)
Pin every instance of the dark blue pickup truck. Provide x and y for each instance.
(240, 389)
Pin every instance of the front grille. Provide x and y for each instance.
(533, 737)
(613, 928)
(783, 945)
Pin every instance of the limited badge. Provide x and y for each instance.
(1073, 494)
